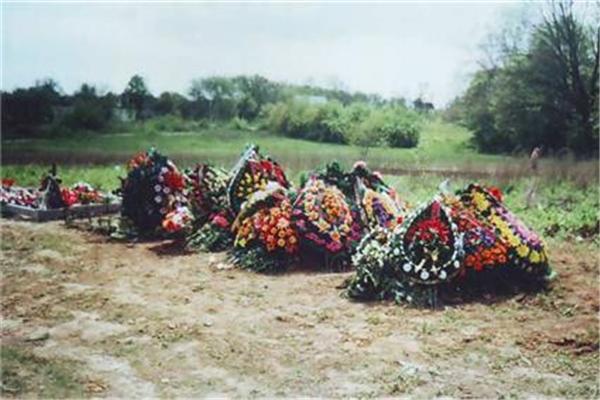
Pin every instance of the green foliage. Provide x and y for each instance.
(210, 238)
(241, 124)
(25, 110)
(259, 260)
(136, 96)
(327, 122)
(332, 122)
(90, 112)
(394, 126)
(545, 94)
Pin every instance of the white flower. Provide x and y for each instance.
(160, 178)
(164, 170)
(424, 275)
(407, 267)
(396, 251)
(443, 274)
(157, 188)
(166, 190)
(158, 199)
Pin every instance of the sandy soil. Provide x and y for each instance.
(145, 320)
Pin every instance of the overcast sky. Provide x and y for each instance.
(391, 49)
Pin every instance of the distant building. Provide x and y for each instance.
(122, 114)
(311, 99)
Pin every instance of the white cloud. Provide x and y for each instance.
(399, 49)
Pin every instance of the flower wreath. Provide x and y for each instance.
(325, 221)
(154, 195)
(427, 245)
(207, 191)
(379, 207)
(525, 249)
(266, 239)
(252, 173)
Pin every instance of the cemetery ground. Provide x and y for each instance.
(84, 316)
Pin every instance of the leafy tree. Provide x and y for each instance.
(136, 96)
(90, 111)
(544, 93)
(26, 110)
(254, 92)
(170, 103)
(218, 92)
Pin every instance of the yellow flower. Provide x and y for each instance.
(534, 256)
(480, 201)
(522, 251)
(281, 243)
(513, 241)
(323, 226)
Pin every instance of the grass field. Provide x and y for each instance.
(443, 149)
(442, 145)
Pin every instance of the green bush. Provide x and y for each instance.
(392, 126)
(241, 124)
(327, 122)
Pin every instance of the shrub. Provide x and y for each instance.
(328, 122)
(241, 124)
(395, 127)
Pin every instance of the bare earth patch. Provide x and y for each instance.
(112, 319)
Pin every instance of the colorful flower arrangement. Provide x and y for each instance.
(325, 221)
(428, 246)
(379, 208)
(252, 173)
(453, 245)
(50, 194)
(483, 248)
(377, 277)
(11, 194)
(154, 195)
(522, 248)
(214, 236)
(207, 191)
(208, 201)
(81, 193)
(177, 219)
(266, 240)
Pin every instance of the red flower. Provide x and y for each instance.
(69, 197)
(7, 182)
(496, 192)
(174, 180)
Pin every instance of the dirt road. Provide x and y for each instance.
(85, 317)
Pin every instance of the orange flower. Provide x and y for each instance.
(335, 235)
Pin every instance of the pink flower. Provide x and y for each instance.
(334, 247)
(220, 221)
(359, 165)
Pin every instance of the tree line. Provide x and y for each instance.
(538, 87)
(299, 111)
